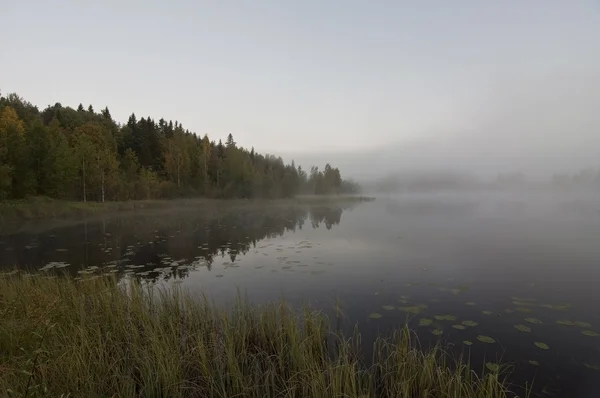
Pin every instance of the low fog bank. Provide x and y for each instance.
(521, 131)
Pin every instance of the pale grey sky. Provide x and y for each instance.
(320, 77)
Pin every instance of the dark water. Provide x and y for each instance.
(495, 261)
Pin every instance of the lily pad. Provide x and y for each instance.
(523, 304)
(467, 342)
(523, 328)
(533, 362)
(582, 324)
(445, 317)
(411, 310)
(471, 303)
(375, 315)
(590, 333)
(404, 297)
(533, 320)
(487, 312)
(486, 339)
(425, 322)
(565, 322)
(560, 307)
(459, 327)
(508, 311)
(388, 307)
(402, 301)
(470, 323)
(516, 298)
(541, 345)
(437, 332)
(493, 367)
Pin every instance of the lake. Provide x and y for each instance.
(509, 278)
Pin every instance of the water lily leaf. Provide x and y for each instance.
(508, 311)
(467, 342)
(516, 298)
(582, 324)
(493, 367)
(523, 328)
(486, 312)
(445, 317)
(541, 345)
(402, 301)
(560, 307)
(470, 303)
(485, 339)
(533, 320)
(470, 323)
(375, 315)
(590, 333)
(459, 327)
(565, 322)
(422, 306)
(425, 322)
(437, 332)
(388, 307)
(533, 362)
(411, 310)
(523, 303)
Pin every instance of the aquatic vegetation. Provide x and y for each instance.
(541, 345)
(486, 339)
(388, 307)
(533, 320)
(375, 315)
(560, 307)
(411, 310)
(522, 299)
(445, 317)
(425, 322)
(533, 362)
(582, 324)
(459, 327)
(565, 322)
(437, 332)
(87, 335)
(509, 311)
(219, 276)
(523, 328)
(402, 301)
(467, 342)
(523, 304)
(492, 367)
(470, 323)
(487, 312)
(590, 333)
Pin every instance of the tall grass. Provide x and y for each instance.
(100, 338)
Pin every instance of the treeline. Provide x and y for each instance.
(81, 154)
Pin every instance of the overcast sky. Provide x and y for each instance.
(473, 83)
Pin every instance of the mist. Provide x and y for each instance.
(536, 124)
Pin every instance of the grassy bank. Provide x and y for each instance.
(92, 338)
(41, 207)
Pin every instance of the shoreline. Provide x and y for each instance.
(40, 208)
(99, 337)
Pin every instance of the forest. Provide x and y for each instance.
(84, 155)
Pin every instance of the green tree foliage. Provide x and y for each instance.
(78, 154)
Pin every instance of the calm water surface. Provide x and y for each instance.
(470, 267)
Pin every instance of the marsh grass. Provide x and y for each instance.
(103, 338)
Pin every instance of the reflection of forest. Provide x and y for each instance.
(182, 239)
